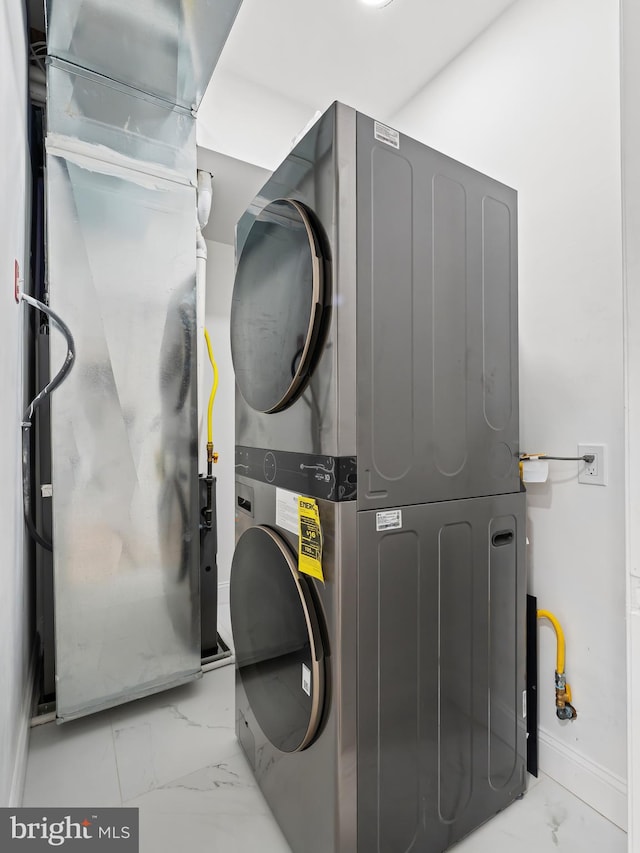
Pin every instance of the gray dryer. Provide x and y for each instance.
(374, 338)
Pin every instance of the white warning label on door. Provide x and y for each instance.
(287, 510)
(386, 134)
(390, 519)
(306, 679)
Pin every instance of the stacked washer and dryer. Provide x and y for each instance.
(374, 340)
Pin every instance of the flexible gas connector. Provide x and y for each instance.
(564, 708)
(211, 456)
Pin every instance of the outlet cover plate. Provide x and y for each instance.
(593, 473)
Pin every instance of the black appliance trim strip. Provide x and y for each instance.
(331, 478)
(532, 685)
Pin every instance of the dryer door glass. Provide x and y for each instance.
(277, 306)
(278, 652)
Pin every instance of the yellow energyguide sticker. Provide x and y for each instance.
(310, 539)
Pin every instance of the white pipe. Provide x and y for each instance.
(205, 193)
(201, 278)
(204, 199)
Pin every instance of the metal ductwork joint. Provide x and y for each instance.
(124, 81)
(164, 48)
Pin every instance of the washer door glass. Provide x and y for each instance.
(278, 653)
(277, 306)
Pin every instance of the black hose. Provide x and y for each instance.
(27, 422)
(26, 487)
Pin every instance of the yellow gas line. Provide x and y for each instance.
(211, 456)
(564, 708)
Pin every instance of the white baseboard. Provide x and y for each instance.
(22, 741)
(605, 792)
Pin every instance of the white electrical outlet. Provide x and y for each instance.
(593, 473)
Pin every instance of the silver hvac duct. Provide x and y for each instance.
(124, 80)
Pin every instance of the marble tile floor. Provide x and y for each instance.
(175, 757)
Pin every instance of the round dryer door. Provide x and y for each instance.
(277, 306)
(278, 650)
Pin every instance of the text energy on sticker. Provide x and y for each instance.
(389, 520)
(310, 539)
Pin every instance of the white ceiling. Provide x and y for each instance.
(319, 51)
(285, 60)
(298, 56)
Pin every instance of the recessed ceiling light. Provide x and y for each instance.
(378, 4)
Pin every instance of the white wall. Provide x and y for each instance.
(249, 122)
(220, 273)
(535, 103)
(14, 642)
(631, 214)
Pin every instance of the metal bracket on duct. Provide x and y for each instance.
(124, 78)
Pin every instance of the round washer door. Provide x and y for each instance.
(277, 306)
(278, 650)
